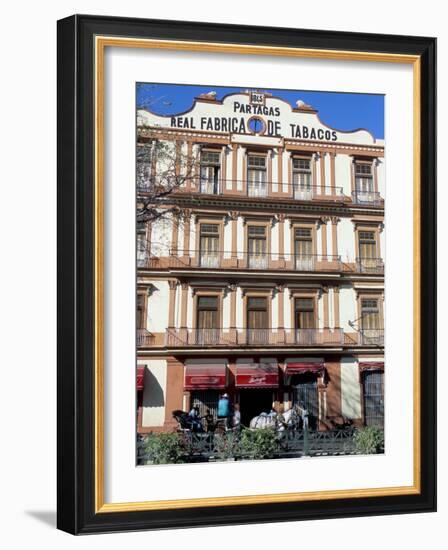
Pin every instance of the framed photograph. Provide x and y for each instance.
(246, 270)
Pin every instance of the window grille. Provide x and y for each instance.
(301, 164)
(256, 161)
(210, 157)
(257, 231)
(209, 229)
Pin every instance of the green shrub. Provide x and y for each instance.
(165, 448)
(227, 445)
(369, 440)
(257, 444)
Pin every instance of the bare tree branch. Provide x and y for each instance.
(162, 167)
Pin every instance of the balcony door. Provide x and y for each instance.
(303, 249)
(210, 171)
(371, 329)
(209, 245)
(208, 329)
(305, 321)
(301, 176)
(364, 189)
(257, 257)
(257, 320)
(367, 260)
(256, 176)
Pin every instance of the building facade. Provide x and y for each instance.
(263, 277)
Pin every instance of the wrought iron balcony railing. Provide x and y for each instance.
(367, 198)
(261, 189)
(307, 337)
(144, 338)
(254, 337)
(369, 265)
(371, 337)
(242, 260)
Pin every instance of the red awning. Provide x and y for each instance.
(257, 376)
(202, 377)
(301, 368)
(371, 365)
(140, 378)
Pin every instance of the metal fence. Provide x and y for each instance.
(290, 443)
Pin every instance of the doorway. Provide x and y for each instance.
(253, 402)
(373, 383)
(305, 394)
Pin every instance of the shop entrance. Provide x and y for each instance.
(253, 402)
(306, 395)
(373, 398)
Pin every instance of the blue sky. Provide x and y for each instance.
(343, 111)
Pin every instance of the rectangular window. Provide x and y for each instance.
(367, 260)
(207, 320)
(257, 320)
(364, 191)
(371, 326)
(257, 247)
(256, 176)
(303, 249)
(209, 245)
(370, 318)
(305, 321)
(301, 177)
(304, 313)
(210, 171)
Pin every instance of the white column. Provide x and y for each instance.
(331, 308)
(275, 161)
(320, 309)
(241, 153)
(327, 161)
(286, 183)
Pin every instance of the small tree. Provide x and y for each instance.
(161, 169)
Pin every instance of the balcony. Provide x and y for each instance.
(370, 265)
(371, 337)
(309, 337)
(244, 188)
(224, 260)
(367, 198)
(144, 338)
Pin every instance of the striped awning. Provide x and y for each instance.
(140, 378)
(371, 365)
(301, 368)
(257, 376)
(202, 377)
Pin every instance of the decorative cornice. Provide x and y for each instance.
(230, 203)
